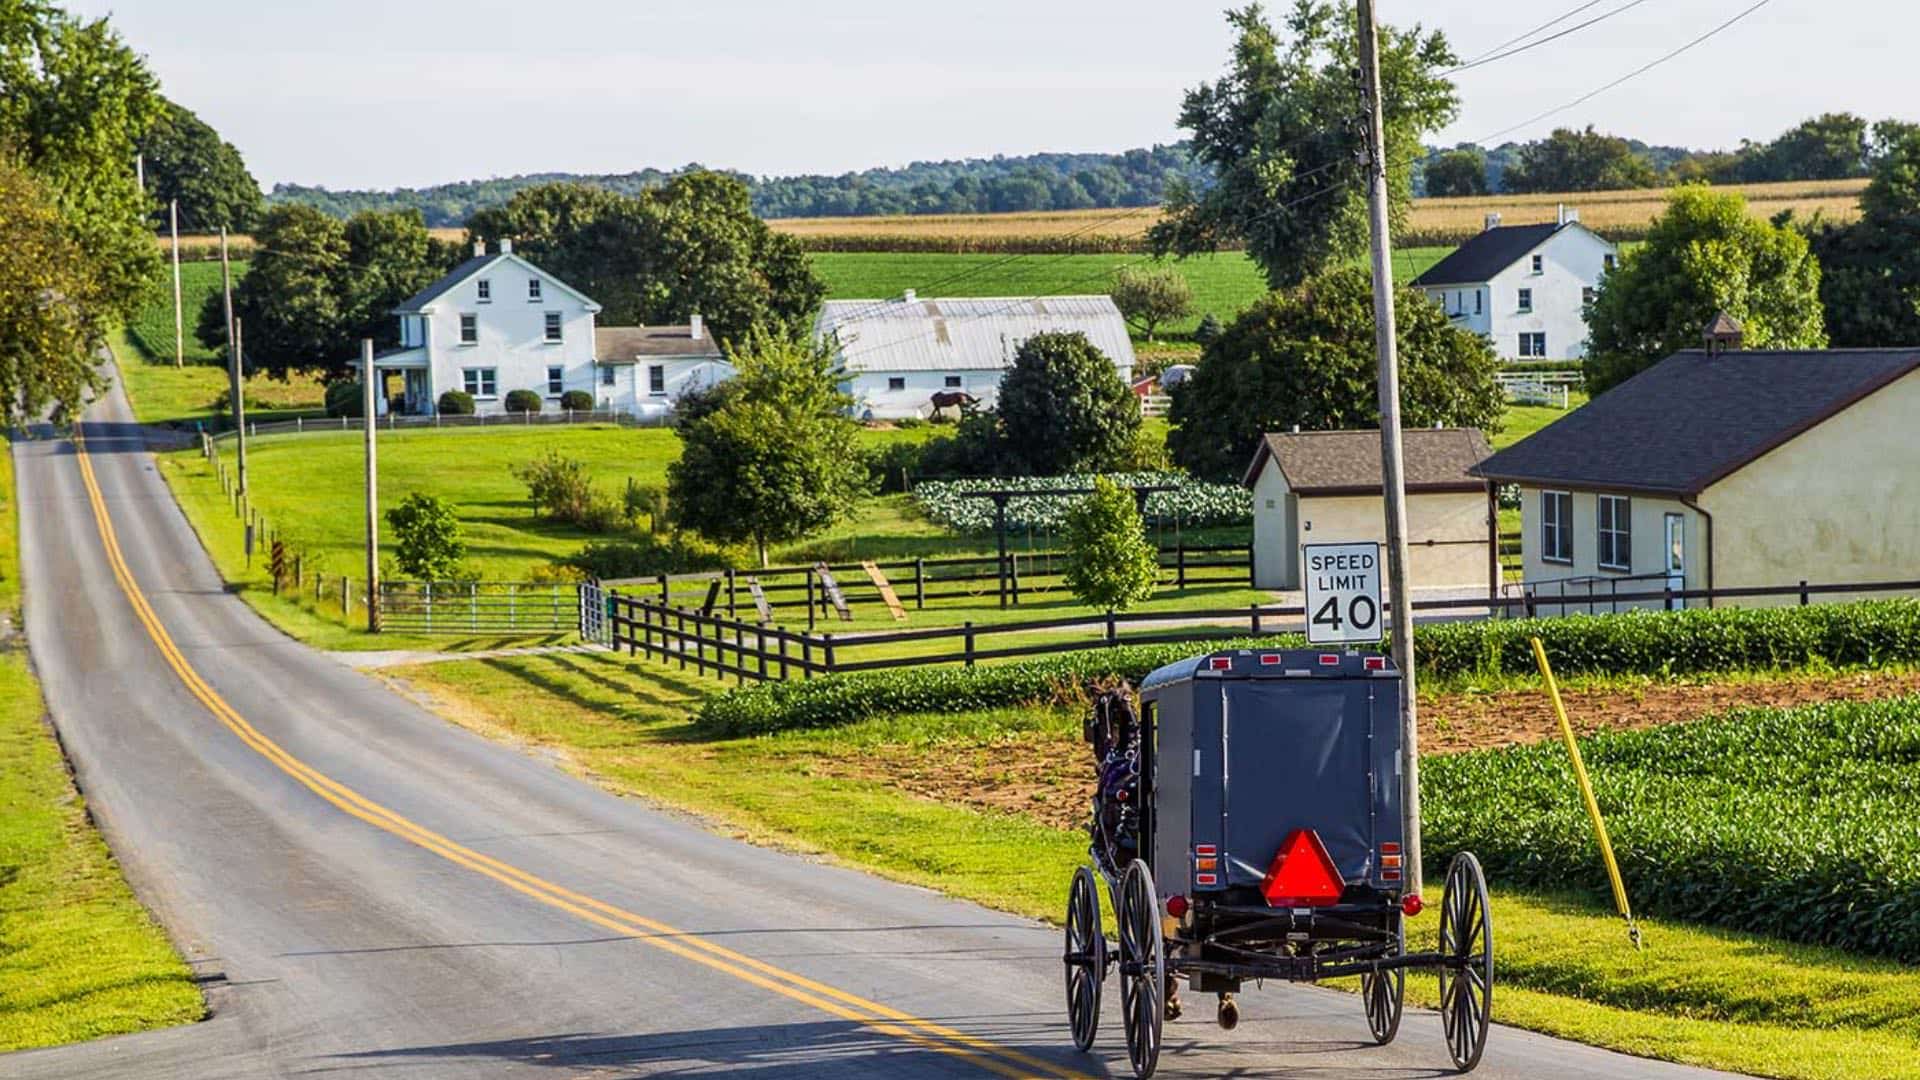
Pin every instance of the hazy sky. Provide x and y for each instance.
(408, 92)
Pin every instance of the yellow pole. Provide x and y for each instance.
(1586, 792)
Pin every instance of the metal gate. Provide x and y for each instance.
(595, 626)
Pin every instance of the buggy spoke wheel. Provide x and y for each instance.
(1142, 968)
(1086, 958)
(1382, 995)
(1466, 973)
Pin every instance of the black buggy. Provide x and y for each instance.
(1248, 825)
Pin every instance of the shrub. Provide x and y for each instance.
(522, 401)
(456, 403)
(893, 466)
(648, 499)
(1063, 406)
(680, 553)
(561, 490)
(1110, 565)
(1209, 330)
(576, 401)
(343, 399)
(426, 532)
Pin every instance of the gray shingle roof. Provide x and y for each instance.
(1690, 420)
(1348, 462)
(1488, 253)
(439, 288)
(615, 344)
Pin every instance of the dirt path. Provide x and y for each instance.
(1049, 777)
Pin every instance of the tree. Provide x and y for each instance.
(1457, 173)
(1704, 254)
(1109, 564)
(1870, 269)
(188, 161)
(691, 245)
(1279, 132)
(772, 456)
(1831, 146)
(390, 257)
(1149, 297)
(52, 311)
(1570, 160)
(1063, 407)
(426, 534)
(289, 302)
(1305, 356)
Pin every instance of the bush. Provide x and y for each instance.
(1063, 406)
(561, 490)
(1110, 565)
(680, 553)
(456, 403)
(523, 401)
(426, 532)
(343, 399)
(893, 466)
(576, 401)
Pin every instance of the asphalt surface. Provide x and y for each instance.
(366, 889)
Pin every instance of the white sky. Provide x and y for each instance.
(379, 93)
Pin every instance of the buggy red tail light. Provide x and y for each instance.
(1376, 663)
(1303, 874)
(1205, 849)
(1176, 905)
(1270, 659)
(1328, 659)
(1412, 904)
(1221, 663)
(1389, 848)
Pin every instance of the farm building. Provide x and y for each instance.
(646, 369)
(1722, 468)
(1524, 287)
(1324, 487)
(898, 353)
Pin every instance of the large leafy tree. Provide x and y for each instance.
(1704, 254)
(189, 161)
(51, 311)
(1870, 269)
(1570, 160)
(691, 245)
(1305, 356)
(770, 455)
(1458, 172)
(1149, 296)
(1280, 133)
(1063, 407)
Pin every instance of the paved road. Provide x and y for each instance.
(365, 889)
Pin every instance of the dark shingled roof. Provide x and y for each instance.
(454, 277)
(1492, 251)
(1682, 425)
(1348, 462)
(617, 344)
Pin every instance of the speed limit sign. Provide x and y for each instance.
(1343, 593)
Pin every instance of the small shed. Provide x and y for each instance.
(1325, 487)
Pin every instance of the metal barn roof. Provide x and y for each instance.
(970, 334)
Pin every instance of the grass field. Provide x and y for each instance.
(79, 958)
(1711, 997)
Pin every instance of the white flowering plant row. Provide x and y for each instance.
(1192, 504)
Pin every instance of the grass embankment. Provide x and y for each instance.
(79, 957)
(1712, 997)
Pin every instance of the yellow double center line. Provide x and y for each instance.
(871, 1014)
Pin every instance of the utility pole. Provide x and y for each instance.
(1392, 472)
(233, 363)
(373, 500)
(179, 335)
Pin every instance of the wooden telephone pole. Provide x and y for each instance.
(179, 323)
(1392, 471)
(373, 500)
(233, 364)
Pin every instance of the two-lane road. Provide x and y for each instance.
(363, 886)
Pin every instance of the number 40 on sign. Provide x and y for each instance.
(1343, 593)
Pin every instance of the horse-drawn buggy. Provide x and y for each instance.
(1249, 824)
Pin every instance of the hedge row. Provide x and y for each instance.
(1794, 823)
(1642, 643)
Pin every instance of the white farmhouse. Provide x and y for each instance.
(498, 323)
(1524, 287)
(898, 353)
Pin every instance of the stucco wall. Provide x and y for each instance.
(1839, 503)
(1446, 532)
(1276, 554)
(1583, 580)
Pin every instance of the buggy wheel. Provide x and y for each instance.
(1086, 958)
(1382, 994)
(1466, 955)
(1142, 968)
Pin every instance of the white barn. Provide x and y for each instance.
(898, 353)
(1524, 287)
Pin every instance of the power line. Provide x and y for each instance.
(1548, 25)
(1574, 29)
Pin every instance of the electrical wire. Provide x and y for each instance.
(1574, 29)
(1548, 25)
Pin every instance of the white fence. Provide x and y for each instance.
(1554, 388)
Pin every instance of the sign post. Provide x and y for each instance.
(1343, 593)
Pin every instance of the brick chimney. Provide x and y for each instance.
(1723, 334)
(1493, 221)
(908, 296)
(479, 249)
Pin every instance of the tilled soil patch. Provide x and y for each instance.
(1050, 777)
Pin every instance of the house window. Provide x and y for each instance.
(469, 329)
(478, 381)
(1533, 345)
(657, 380)
(1607, 261)
(1539, 264)
(1586, 296)
(1526, 299)
(1476, 301)
(485, 289)
(607, 376)
(953, 382)
(896, 382)
(556, 379)
(533, 289)
(1616, 533)
(1556, 526)
(553, 326)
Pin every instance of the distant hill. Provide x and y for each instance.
(998, 184)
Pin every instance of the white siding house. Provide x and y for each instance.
(898, 353)
(1524, 287)
(645, 370)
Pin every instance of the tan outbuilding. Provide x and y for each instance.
(1315, 487)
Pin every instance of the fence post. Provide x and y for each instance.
(760, 649)
(680, 633)
(1253, 618)
(1112, 631)
(784, 673)
(809, 598)
(919, 583)
(665, 597)
(346, 598)
(806, 656)
(739, 657)
(969, 649)
(1667, 589)
(1180, 562)
(1013, 576)
(827, 647)
(1250, 579)
(730, 593)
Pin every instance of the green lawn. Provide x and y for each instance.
(1521, 421)
(79, 957)
(1710, 997)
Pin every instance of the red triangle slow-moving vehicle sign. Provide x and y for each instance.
(1302, 874)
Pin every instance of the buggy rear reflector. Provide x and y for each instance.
(1176, 905)
(1389, 848)
(1221, 663)
(1389, 875)
(1328, 659)
(1206, 849)
(1412, 904)
(1392, 862)
(1376, 663)
(1303, 874)
(1270, 659)
(1206, 864)
(1206, 879)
